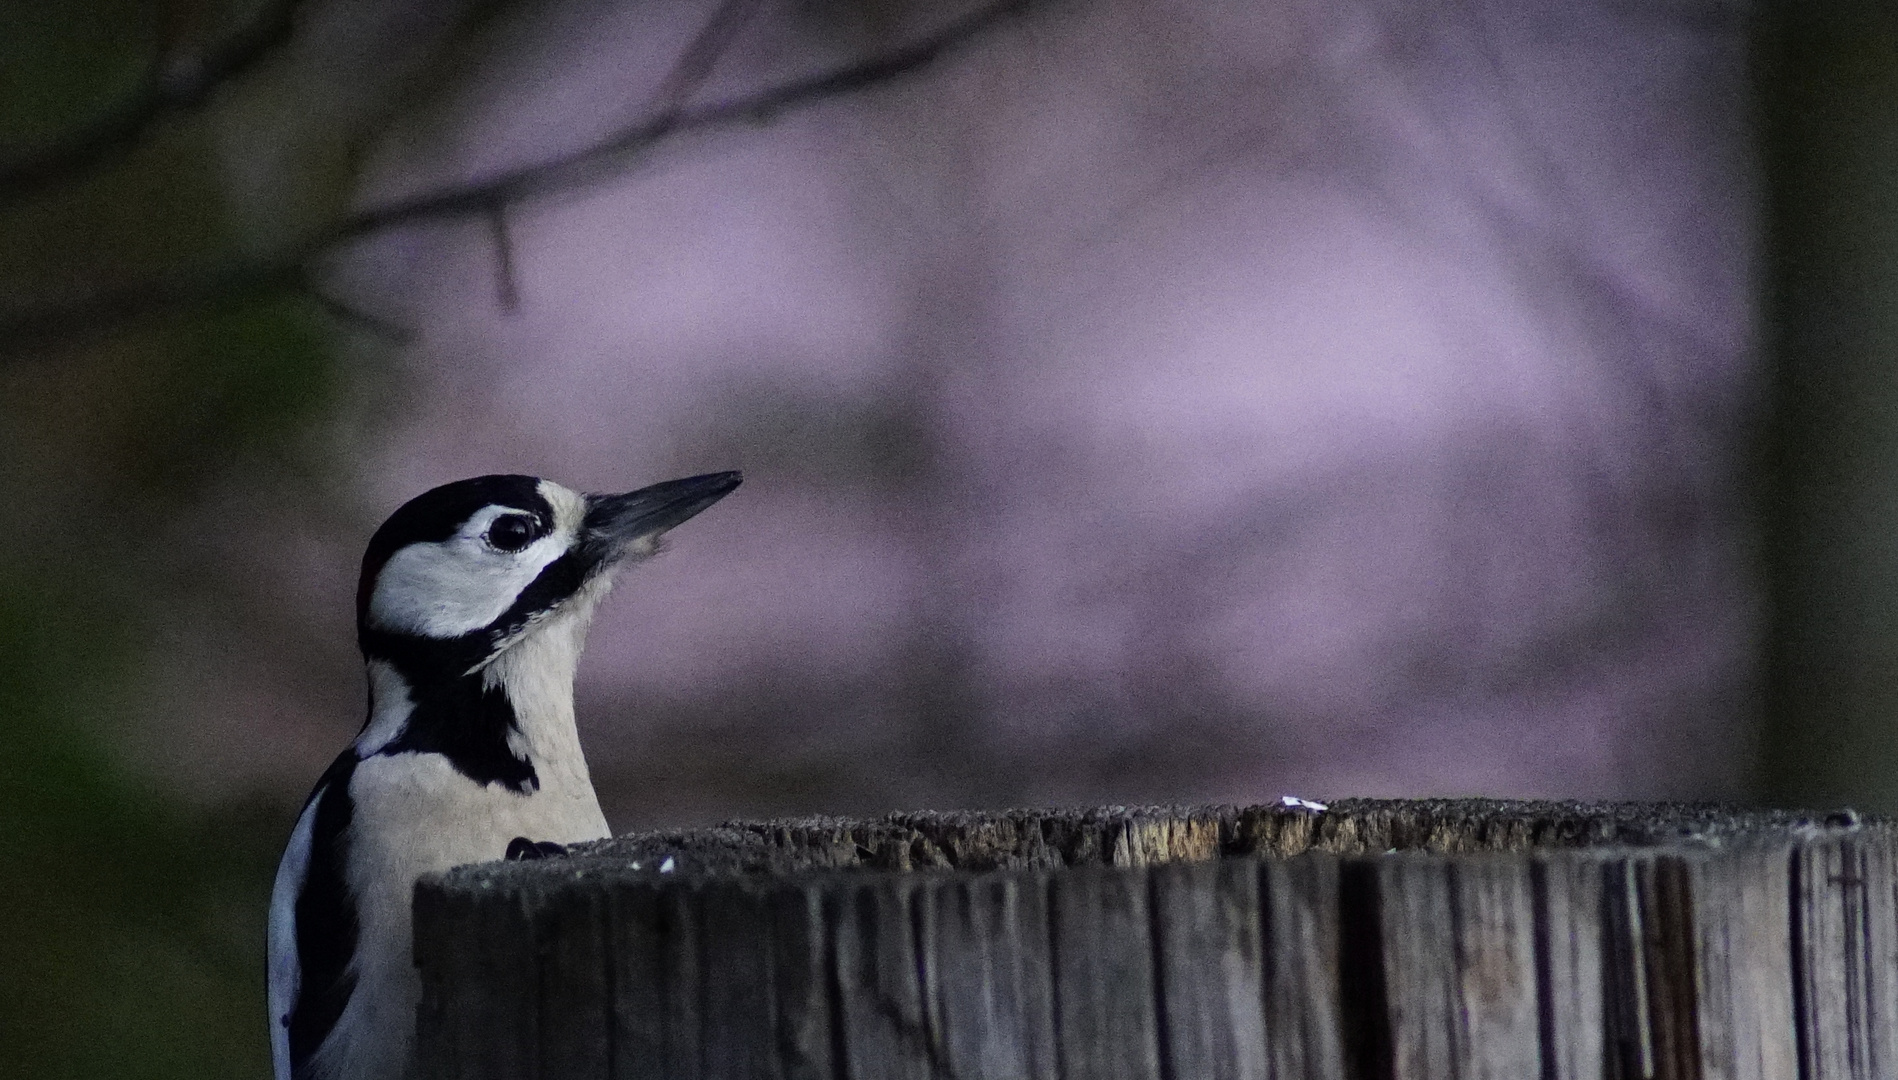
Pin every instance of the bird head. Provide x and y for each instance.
(460, 574)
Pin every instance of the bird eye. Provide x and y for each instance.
(511, 533)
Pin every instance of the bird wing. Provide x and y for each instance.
(285, 971)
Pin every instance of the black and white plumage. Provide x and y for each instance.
(471, 612)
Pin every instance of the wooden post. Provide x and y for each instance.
(1368, 941)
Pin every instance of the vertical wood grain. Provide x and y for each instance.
(1459, 960)
(482, 1021)
(800, 954)
(877, 975)
(1105, 1024)
(575, 1022)
(1843, 927)
(991, 988)
(1299, 912)
(737, 1019)
(1743, 961)
(638, 932)
(1207, 929)
(1569, 963)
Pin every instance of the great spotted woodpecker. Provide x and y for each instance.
(471, 611)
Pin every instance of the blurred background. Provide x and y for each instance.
(1140, 400)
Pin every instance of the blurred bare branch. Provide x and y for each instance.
(697, 62)
(384, 330)
(435, 70)
(110, 304)
(507, 286)
(176, 81)
(694, 66)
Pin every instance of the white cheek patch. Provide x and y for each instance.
(451, 587)
(570, 508)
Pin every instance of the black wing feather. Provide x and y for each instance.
(326, 921)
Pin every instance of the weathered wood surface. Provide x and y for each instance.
(1370, 941)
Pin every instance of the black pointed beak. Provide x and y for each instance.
(618, 525)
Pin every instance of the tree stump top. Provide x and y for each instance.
(1367, 940)
(976, 841)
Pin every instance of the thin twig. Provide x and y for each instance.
(384, 330)
(608, 156)
(700, 58)
(434, 69)
(694, 65)
(173, 84)
(507, 287)
(110, 305)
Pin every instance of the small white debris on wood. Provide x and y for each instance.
(667, 867)
(1297, 803)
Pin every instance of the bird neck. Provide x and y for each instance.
(506, 721)
(535, 676)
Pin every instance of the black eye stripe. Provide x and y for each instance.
(557, 581)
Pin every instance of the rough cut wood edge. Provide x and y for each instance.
(1376, 941)
(1144, 835)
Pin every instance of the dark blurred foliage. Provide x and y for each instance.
(131, 939)
(1827, 83)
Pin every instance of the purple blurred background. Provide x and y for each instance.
(1152, 401)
